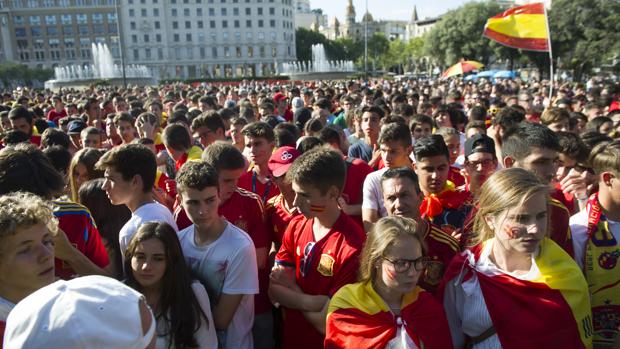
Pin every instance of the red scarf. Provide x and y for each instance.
(434, 204)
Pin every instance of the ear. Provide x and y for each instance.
(606, 178)
(508, 162)
(490, 221)
(333, 193)
(136, 181)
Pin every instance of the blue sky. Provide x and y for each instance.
(387, 9)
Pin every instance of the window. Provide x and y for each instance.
(224, 24)
(188, 25)
(200, 24)
(250, 51)
(156, 12)
(54, 43)
(97, 18)
(136, 54)
(85, 54)
(134, 38)
(238, 52)
(226, 51)
(214, 52)
(35, 20)
(65, 19)
(157, 25)
(199, 12)
(248, 11)
(160, 53)
(132, 25)
(274, 51)
(35, 31)
(260, 23)
(146, 38)
(177, 37)
(38, 43)
(112, 29)
(158, 37)
(70, 54)
(174, 12)
(131, 12)
(272, 11)
(224, 11)
(225, 36)
(84, 41)
(52, 31)
(143, 12)
(147, 54)
(49, 3)
(22, 44)
(50, 20)
(175, 25)
(272, 23)
(201, 37)
(20, 32)
(190, 52)
(112, 18)
(98, 29)
(261, 36)
(211, 12)
(212, 24)
(236, 11)
(203, 53)
(236, 23)
(273, 36)
(248, 35)
(69, 42)
(188, 37)
(186, 12)
(262, 51)
(260, 11)
(18, 20)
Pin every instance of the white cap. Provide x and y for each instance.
(297, 103)
(92, 312)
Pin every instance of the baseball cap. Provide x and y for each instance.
(76, 126)
(92, 312)
(297, 103)
(282, 159)
(479, 143)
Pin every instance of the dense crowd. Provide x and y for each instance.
(335, 214)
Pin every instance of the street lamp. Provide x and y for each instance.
(120, 40)
(365, 19)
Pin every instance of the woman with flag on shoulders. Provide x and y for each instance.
(514, 287)
(386, 308)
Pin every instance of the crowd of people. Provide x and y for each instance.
(328, 214)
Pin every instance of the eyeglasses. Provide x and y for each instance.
(404, 265)
(486, 163)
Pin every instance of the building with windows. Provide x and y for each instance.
(173, 38)
(209, 38)
(305, 17)
(50, 33)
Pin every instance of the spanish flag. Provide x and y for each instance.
(523, 27)
(359, 318)
(552, 311)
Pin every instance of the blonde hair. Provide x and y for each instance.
(606, 157)
(20, 210)
(505, 189)
(384, 234)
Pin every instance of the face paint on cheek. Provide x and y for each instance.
(390, 273)
(317, 208)
(511, 232)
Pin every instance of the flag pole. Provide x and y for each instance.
(550, 56)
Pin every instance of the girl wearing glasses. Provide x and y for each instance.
(514, 287)
(386, 309)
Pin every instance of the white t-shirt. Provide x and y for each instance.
(153, 211)
(5, 308)
(579, 230)
(227, 265)
(205, 336)
(373, 193)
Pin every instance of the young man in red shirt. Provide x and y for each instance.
(58, 112)
(21, 120)
(260, 140)
(319, 252)
(245, 210)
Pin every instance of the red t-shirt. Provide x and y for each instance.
(278, 217)
(357, 170)
(36, 140)
(54, 116)
(455, 176)
(265, 191)
(328, 264)
(245, 210)
(75, 220)
(566, 199)
(441, 247)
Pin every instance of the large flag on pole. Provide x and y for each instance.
(523, 27)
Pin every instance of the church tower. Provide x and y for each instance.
(350, 16)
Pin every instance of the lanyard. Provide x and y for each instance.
(267, 186)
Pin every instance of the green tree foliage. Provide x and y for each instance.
(304, 39)
(458, 35)
(15, 72)
(585, 33)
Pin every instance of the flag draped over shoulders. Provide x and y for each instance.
(551, 311)
(359, 318)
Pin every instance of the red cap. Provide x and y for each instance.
(279, 97)
(282, 159)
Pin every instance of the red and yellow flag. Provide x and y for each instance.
(552, 311)
(359, 318)
(523, 27)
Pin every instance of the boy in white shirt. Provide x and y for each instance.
(221, 256)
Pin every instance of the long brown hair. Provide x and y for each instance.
(177, 305)
(87, 157)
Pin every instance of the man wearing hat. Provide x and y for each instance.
(282, 108)
(74, 129)
(480, 162)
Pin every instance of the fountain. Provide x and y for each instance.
(103, 68)
(318, 68)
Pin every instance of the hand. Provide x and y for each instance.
(376, 155)
(343, 205)
(575, 184)
(145, 129)
(282, 276)
(63, 249)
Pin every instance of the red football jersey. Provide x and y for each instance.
(321, 268)
(566, 199)
(265, 191)
(245, 210)
(441, 248)
(278, 217)
(455, 176)
(357, 170)
(75, 220)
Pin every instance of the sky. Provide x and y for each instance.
(387, 9)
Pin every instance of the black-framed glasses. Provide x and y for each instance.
(404, 265)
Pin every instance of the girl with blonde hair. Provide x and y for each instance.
(514, 287)
(386, 308)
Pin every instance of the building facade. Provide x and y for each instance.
(306, 17)
(50, 33)
(173, 38)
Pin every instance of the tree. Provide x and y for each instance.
(14, 72)
(304, 39)
(458, 35)
(585, 33)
